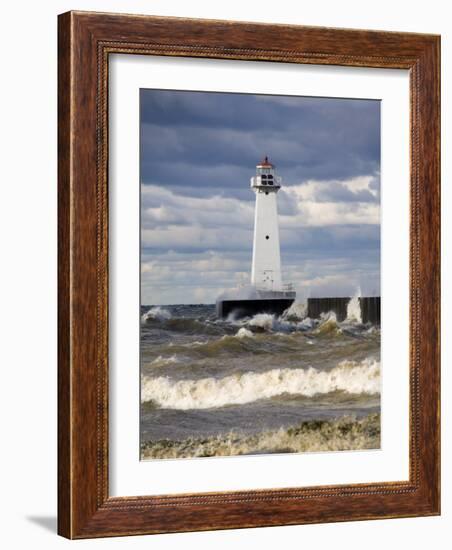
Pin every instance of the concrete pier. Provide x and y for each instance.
(248, 308)
(370, 308)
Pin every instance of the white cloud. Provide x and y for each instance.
(316, 189)
(321, 214)
(161, 206)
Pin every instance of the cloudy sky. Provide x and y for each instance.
(198, 152)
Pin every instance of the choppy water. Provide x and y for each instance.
(214, 387)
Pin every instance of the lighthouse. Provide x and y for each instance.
(266, 265)
(266, 293)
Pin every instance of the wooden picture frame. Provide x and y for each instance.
(85, 42)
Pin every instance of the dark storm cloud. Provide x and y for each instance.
(353, 241)
(198, 139)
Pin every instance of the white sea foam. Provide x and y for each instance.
(244, 333)
(156, 312)
(262, 320)
(269, 323)
(349, 376)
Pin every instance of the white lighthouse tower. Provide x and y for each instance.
(266, 294)
(266, 266)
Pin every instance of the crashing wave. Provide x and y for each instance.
(341, 434)
(354, 314)
(264, 321)
(296, 312)
(156, 312)
(328, 324)
(244, 333)
(297, 321)
(237, 389)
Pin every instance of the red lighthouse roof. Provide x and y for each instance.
(266, 163)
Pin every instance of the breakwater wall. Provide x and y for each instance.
(370, 308)
(244, 308)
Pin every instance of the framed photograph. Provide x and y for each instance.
(248, 275)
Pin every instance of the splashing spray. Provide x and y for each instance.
(354, 308)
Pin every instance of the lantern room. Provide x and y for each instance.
(265, 180)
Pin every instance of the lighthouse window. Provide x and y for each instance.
(267, 237)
